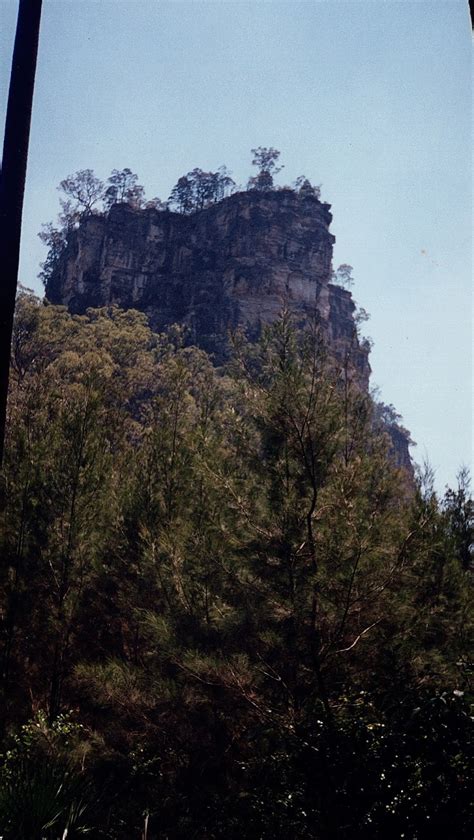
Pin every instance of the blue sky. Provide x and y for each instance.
(371, 98)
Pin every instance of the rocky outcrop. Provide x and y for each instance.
(236, 263)
(233, 264)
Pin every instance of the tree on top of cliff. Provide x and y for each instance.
(198, 190)
(83, 191)
(265, 159)
(203, 188)
(156, 204)
(304, 187)
(181, 195)
(225, 183)
(123, 188)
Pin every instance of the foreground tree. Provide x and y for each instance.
(263, 631)
(12, 179)
(459, 510)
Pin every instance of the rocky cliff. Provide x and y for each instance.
(235, 263)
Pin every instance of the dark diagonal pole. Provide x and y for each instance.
(12, 180)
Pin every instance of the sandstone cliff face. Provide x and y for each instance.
(235, 263)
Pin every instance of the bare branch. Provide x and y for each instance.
(359, 637)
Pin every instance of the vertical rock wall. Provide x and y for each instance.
(235, 263)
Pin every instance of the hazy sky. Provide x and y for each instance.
(371, 98)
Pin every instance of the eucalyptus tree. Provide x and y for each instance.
(123, 187)
(265, 159)
(84, 191)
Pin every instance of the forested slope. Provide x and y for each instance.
(224, 611)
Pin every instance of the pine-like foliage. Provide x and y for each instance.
(261, 628)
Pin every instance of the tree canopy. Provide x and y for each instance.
(198, 190)
(224, 611)
(265, 159)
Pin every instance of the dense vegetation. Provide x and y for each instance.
(224, 612)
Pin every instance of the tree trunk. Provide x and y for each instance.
(12, 179)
